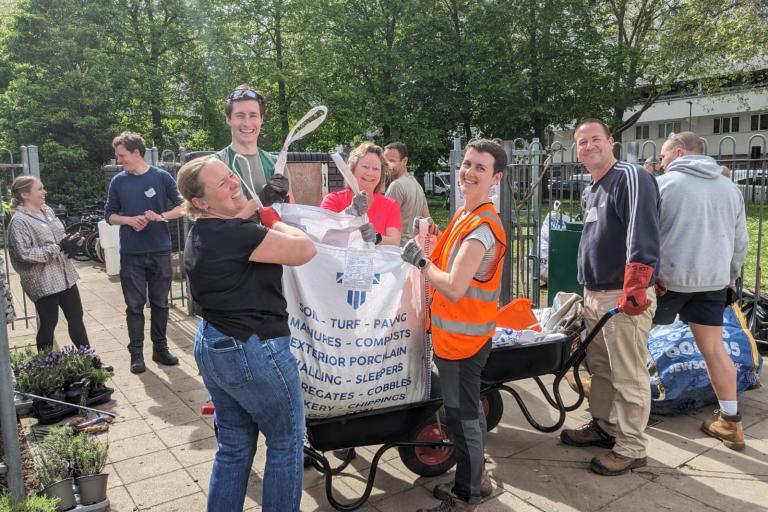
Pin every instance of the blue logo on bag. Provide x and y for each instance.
(356, 298)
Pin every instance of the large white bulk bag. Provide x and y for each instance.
(357, 319)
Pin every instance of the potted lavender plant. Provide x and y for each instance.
(89, 456)
(55, 473)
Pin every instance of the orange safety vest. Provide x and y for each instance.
(461, 328)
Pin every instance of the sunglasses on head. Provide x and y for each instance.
(238, 94)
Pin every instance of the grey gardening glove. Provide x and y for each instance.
(413, 254)
(359, 205)
(368, 232)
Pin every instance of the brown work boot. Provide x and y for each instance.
(613, 464)
(445, 491)
(586, 383)
(587, 435)
(727, 429)
(451, 505)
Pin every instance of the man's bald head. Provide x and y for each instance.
(688, 142)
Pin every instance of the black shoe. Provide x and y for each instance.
(137, 363)
(108, 367)
(163, 356)
(345, 454)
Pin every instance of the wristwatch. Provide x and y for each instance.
(378, 238)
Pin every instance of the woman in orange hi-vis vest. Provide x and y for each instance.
(465, 274)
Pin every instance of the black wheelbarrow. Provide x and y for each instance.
(421, 440)
(553, 357)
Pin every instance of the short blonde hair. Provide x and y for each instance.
(362, 150)
(190, 186)
(20, 185)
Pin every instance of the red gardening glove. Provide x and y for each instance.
(268, 216)
(637, 278)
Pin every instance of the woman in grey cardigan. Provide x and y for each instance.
(38, 247)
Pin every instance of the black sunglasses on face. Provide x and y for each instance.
(245, 93)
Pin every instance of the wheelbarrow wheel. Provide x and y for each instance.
(493, 406)
(427, 461)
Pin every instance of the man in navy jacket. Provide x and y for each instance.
(138, 201)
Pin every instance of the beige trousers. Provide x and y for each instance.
(620, 398)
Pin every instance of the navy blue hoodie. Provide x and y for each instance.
(621, 225)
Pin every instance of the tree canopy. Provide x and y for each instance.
(74, 73)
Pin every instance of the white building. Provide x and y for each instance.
(733, 123)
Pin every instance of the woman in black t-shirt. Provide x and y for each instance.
(242, 346)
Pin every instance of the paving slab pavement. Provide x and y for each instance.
(161, 448)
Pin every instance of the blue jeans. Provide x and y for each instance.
(254, 386)
(142, 276)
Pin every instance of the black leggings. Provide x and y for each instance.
(48, 313)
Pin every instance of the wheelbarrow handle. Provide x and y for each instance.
(601, 323)
(580, 353)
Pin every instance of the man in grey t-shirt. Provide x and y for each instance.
(404, 189)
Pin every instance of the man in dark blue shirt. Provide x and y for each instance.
(617, 264)
(138, 201)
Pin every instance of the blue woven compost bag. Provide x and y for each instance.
(679, 380)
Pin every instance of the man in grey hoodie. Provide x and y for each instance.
(703, 244)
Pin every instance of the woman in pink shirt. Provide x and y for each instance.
(367, 163)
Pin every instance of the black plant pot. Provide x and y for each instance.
(99, 396)
(62, 490)
(93, 488)
(48, 413)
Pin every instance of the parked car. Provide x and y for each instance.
(752, 183)
(570, 187)
(442, 184)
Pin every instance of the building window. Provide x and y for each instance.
(758, 122)
(726, 125)
(665, 129)
(642, 131)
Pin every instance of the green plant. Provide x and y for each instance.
(40, 381)
(57, 442)
(33, 503)
(97, 377)
(23, 355)
(51, 467)
(89, 455)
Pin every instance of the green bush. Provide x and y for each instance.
(34, 503)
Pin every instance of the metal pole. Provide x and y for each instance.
(33, 161)
(507, 212)
(690, 112)
(534, 219)
(8, 413)
(454, 163)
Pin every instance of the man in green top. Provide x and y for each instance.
(244, 110)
